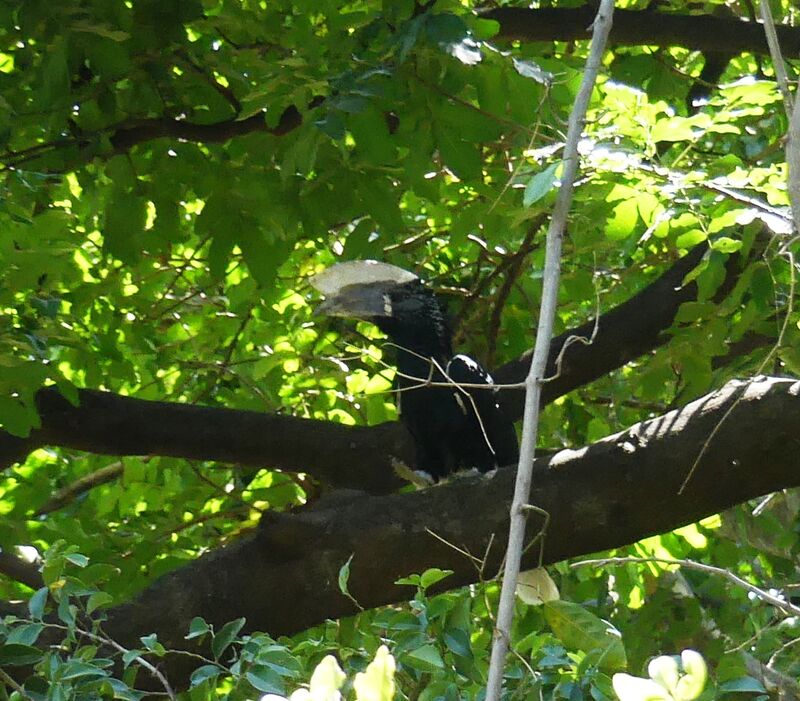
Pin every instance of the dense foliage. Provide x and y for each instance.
(175, 170)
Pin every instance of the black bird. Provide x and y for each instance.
(453, 428)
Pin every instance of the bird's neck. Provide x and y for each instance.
(419, 342)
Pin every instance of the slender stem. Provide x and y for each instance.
(777, 58)
(786, 606)
(544, 333)
(792, 112)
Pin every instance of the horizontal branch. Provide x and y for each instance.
(111, 424)
(20, 570)
(624, 333)
(614, 492)
(705, 33)
(126, 136)
(358, 457)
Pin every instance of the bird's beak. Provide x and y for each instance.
(357, 301)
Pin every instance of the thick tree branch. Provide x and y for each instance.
(631, 329)
(616, 491)
(642, 28)
(112, 424)
(20, 570)
(126, 136)
(346, 456)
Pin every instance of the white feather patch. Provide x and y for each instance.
(358, 272)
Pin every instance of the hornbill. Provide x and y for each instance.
(453, 427)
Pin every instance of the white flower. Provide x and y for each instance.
(667, 681)
(376, 683)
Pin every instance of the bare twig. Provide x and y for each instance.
(792, 112)
(9, 681)
(777, 58)
(778, 343)
(786, 606)
(578, 339)
(544, 332)
(119, 648)
(83, 484)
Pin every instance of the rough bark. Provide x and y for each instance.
(629, 330)
(642, 27)
(616, 491)
(345, 456)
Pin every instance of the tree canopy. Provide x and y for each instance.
(184, 444)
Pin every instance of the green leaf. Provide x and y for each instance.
(277, 658)
(690, 239)
(80, 670)
(265, 680)
(67, 611)
(623, 220)
(460, 156)
(379, 198)
(26, 634)
(68, 390)
(204, 673)
(539, 185)
(726, 245)
(373, 141)
(458, 642)
(55, 76)
(485, 28)
(332, 124)
(263, 257)
(120, 690)
(151, 644)
(360, 243)
(48, 306)
(432, 576)
(123, 231)
(692, 311)
(130, 656)
(469, 124)
(37, 603)
(425, 658)
(747, 685)
(108, 57)
(77, 559)
(98, 599)
(344, 576)
(681, 128)
(445, 28)
(197, 628)
(16, 654)
(226, 636)
(578, 629)
(17, 418)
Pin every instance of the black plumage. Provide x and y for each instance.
(453, 427)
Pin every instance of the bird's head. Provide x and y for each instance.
(395, 300)
(364, 289)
